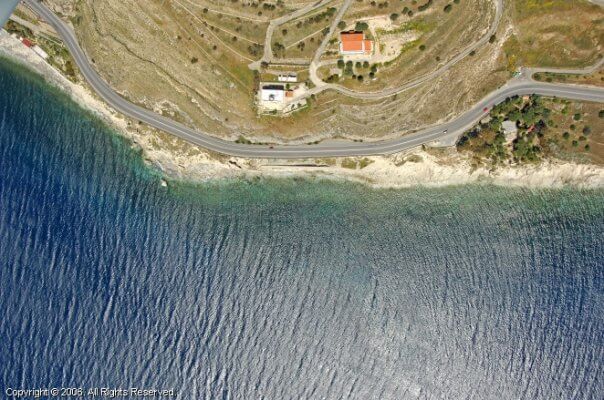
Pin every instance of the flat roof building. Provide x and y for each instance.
(288, 78)
(38, 50)
(273, 93)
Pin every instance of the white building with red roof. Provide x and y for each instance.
(355, 43)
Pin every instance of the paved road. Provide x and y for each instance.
(519, 86)
(571, 71)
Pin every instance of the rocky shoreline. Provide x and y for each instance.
(180, 160)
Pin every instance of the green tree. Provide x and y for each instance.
(448, 8)
(361, 26)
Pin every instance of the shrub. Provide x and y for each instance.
(341, 25)
(448, 8)
(577, 116)
(393, 16)
(422, 47)
(601, 114)
(361, 26)
(586, 130)
(425, 6)
(492, 39)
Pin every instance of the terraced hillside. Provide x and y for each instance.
(201, 61)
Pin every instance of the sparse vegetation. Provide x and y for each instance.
(222, 46)
(539, 123)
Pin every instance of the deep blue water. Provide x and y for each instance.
(287, 289)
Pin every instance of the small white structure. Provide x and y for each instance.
(38, 50)
(288, 78)
(272, 93)
(509, 130)
(509, 126)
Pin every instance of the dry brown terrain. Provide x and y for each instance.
(555, 33)
(596, 79)
(188, 59)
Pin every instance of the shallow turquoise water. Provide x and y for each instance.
(282, 289)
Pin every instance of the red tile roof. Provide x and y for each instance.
(27, 42)
(352, 36)
(355, 41)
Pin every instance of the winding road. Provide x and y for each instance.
(447, 131)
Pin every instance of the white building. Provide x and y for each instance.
(272, 93)
(288, 78)
(509, 130)
(38, 50)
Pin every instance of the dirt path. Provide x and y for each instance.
(322, 86)
(268, 50)
(214, 35)
(303, 39)
(229, 14)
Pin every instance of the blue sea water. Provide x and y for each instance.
(284, 289)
